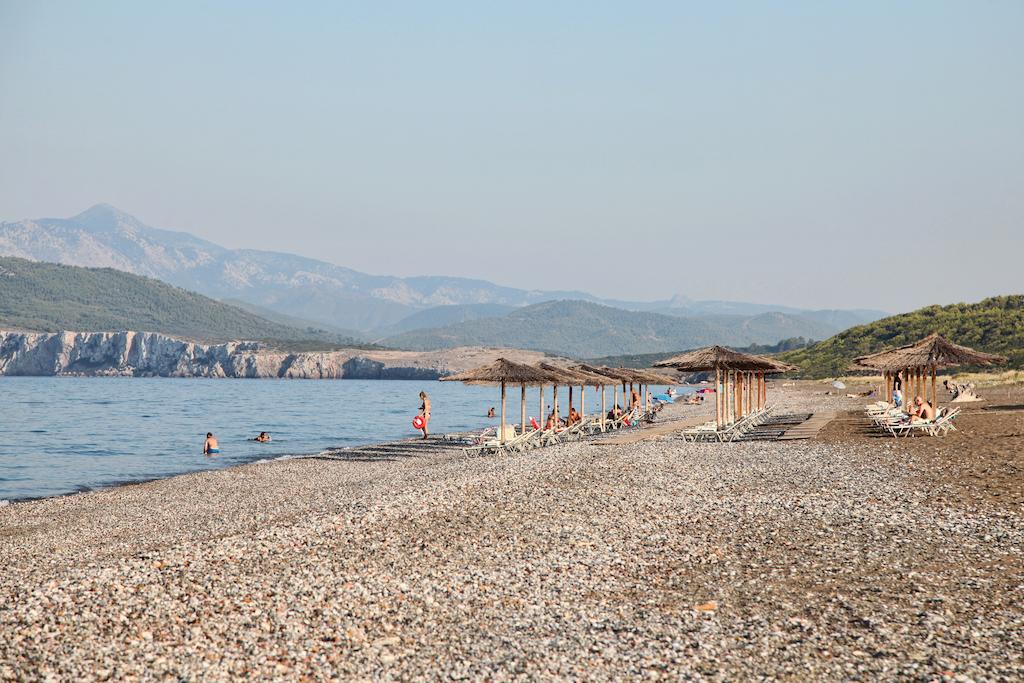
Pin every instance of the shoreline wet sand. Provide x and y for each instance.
(845, 556)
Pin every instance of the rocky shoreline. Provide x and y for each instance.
(150, 354)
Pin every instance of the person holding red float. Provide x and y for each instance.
(422, 421)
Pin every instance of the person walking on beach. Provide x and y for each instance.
(211, 447)
(425, 413)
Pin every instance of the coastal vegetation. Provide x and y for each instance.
(994, 325)
(47, 297)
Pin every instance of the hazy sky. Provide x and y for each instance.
(816, 154)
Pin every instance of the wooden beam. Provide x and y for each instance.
(604, 409)
(522, 409)
(718, 399)
(501, 437)
(540, 418)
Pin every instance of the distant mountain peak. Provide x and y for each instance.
(106, 217)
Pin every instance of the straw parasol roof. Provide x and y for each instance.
(617, 375)
(718, 358)
(578, 377)
(779, 366)
(934, 351)
(648, 377)
(504, 370)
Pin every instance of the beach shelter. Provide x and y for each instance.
(612, 374)
(504, 372)
(915, 362)
(730, 367)
(582, 379)
(644, 379)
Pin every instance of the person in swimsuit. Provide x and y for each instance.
(490, 412)
(922, 411)
(425, 413)
(211, 447)
(263, 437)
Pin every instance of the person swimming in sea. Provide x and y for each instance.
(211, 447)
(263, 438)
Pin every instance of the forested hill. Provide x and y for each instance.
(582, 329)
(47, 297)
(995, 325)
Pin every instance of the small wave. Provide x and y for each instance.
(4, 501)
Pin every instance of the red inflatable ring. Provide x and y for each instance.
(418, 423)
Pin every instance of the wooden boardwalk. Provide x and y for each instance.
(809, 428)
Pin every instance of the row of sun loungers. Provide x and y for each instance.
(892, 420)
(709, 430)
(488, 443)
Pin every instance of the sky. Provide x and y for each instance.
(818, 154)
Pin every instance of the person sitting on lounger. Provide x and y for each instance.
(922, 411)
(615, 413)
(574, 416)
(553, 421)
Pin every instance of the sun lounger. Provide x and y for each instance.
(494, 446)
(940, 426)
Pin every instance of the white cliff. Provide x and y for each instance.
(149, 354)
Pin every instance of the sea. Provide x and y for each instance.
(63, 435)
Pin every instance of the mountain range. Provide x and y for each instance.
(48, 297)
(334, 297)
(582, 329)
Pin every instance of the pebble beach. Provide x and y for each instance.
(843, 557)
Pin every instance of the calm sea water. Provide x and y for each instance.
(62, 434)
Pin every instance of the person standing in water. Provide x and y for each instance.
(211, 447)
(425, 413)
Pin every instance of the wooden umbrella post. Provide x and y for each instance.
(501, 439)
(718, 399)
(730, 402)
(540, 418)
(739, 396)
(554, 404)
(522, 410)
(740, 377)
(750, 392)
(935, 395)
(583, 401)
(604, 409)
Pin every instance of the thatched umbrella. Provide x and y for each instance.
(719, 359)
(582, 379)
(918, 359)
(611, 373)
(645, 378)
(503, 372)
(758, 376)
